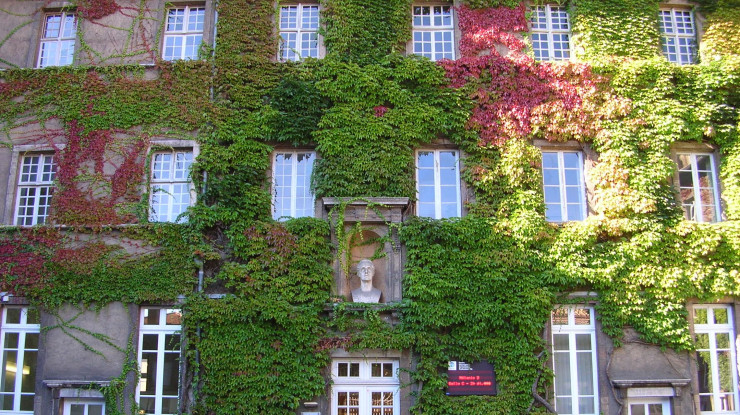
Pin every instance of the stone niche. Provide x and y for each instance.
(376, 217)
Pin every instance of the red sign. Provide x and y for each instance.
(470, 378)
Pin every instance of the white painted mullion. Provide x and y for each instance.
(20, 357)
(562, 188)
(437, 186)
(574, 392)
(713, 361)
(457, 184)
(582, 185)
(293, 184)
(733, 342)
(298, 43)
(550, 33)
(160, 367)
(715, 190)
(594, 368)
(698, 211)
(36, 204)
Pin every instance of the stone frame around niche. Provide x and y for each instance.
(377, 215)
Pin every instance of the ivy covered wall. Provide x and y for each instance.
(365, 107)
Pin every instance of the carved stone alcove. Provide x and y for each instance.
(376, 216)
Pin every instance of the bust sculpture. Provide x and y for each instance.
(366, 293)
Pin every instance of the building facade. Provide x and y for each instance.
(354, 207)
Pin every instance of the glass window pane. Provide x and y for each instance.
(13, 315)
(585, 373)
(720, 315)
(564, 405)
(561, 369)
(583, 341)
(703, 362)
(77, 409)
(549, 160)
(586, 405)
(700, 315)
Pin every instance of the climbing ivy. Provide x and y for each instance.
(480, 287)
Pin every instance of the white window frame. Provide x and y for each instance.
(550, 31)
(293, 211)
(572, 330)
(286, 53)
(185, 33)
(22, 329)
(665, 404)
(688, 36)
(562, 186)
(711, 329)
(365, 384)
(46, 169)
(68, 402)
(437, 181)
(432, 30)
(165, 186)
(696, 208)
(61, 42)
(162, 330)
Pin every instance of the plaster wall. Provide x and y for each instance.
(70, 353)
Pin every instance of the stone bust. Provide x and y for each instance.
(366, 293)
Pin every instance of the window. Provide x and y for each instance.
(35, 189)
(170, 185)
(365, 387)
(291, 188)
(438, 183)
(20, 346)
(697, 187)
(550, 33)
(81, 406)
(159, 360)
(562, 173)
(678, 35)
(715, 358)
(574, 360)
(183, 33)
(649, 406)
(433, 32)
(57, 46)
(299, 36)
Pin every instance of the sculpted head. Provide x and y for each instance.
(365, 270)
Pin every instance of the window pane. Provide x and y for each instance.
(700, 315)
(28, 378)
(586, 405)
(585, 373)
(10, 367)
(151, 316)
(561, 341)
(562, 373)
(720, 315)
(171, 374)
(724, 363)
(148, 380)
